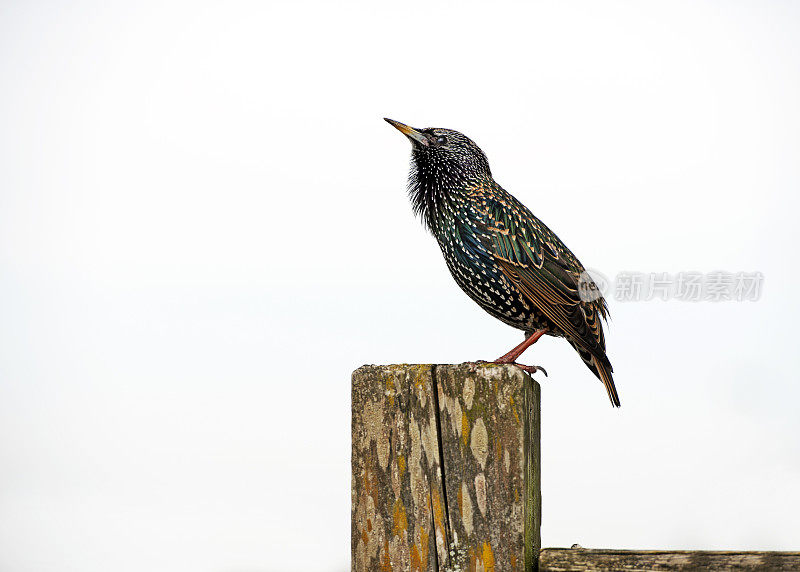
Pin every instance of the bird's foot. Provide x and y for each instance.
(531, 368)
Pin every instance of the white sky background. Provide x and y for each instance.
(204, 230)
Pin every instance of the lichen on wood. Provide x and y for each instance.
(445, 468)
(582, 559)
(395, 458)
(490, 443)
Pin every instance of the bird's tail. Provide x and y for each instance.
(601, 367)
(603, 371)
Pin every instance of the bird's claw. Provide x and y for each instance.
(531, 368)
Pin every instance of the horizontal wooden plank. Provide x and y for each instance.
(582, 559)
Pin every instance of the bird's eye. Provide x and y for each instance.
(441, 140)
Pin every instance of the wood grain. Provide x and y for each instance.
(445, 465)
(581, 559)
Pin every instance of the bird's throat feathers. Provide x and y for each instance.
(438, 189)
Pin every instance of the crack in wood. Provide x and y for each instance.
(438, 417)
(422, 433)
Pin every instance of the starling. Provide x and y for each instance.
(500, 254)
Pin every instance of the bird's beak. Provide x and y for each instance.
(409, 132)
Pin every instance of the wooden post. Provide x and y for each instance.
(582, 560)
(445, 464)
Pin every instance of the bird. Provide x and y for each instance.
(500, 254)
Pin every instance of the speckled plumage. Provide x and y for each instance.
(498, 252)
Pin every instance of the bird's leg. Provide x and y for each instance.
(511, 357)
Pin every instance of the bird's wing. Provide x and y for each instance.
(533, 258)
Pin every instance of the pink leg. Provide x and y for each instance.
(512, 356)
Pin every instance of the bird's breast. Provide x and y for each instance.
(467, 252)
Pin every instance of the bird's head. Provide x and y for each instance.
(444, 153)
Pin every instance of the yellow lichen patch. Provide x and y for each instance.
(488, 558)
(401, 464)
(386, 559)
(464, 428)
(514, 409)
(416, 561)
(400, 519)
(424, 539)
(438, 511)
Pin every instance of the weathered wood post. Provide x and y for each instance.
(579, 559)
(445, 463)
